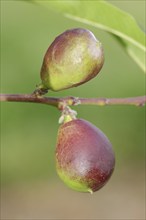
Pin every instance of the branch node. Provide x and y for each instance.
(73, 100)
(103, 101)
(140, 104)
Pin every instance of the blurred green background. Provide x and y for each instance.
(30, 187)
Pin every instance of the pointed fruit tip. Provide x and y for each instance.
(90, 191)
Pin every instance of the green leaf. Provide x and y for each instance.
(109, 18)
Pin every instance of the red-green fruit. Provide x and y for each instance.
(84, 156)
(73, 58)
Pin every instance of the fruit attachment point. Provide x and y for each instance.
(67, 115)
(40, 90)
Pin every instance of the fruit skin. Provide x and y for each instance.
(84, 156)
(73, 58)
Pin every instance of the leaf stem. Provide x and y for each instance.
(70, 101)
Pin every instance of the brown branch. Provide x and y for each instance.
(59, 102)
(29, 98)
